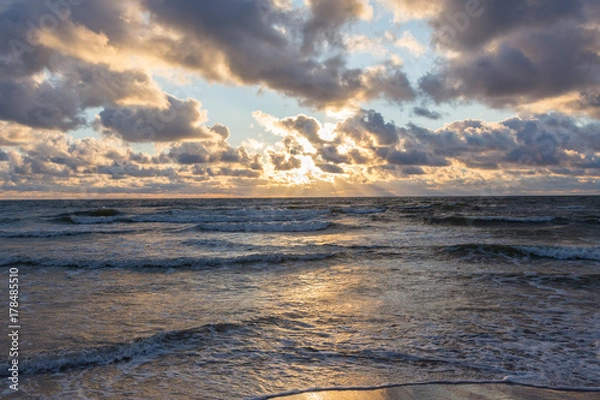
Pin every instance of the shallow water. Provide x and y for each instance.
(243, 298)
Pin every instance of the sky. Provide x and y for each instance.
(259, 98)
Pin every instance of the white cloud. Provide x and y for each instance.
(409, 42)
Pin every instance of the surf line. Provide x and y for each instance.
(13, 326)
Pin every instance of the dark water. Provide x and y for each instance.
(230, 299)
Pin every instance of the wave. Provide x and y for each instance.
(143, 347)
(100, 214)
(359, 211)
(108, 216)
(140, 350)
(519, 251)
(231, 215)
(460, 220)
(180, 262)
(152, 346)
(307, 226)
(169, 342)
(413, 207)
(563, 252)
(9, 220)
(62, 233)
(572, 281)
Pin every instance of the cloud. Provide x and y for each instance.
(283, 162)
(365, 44)
(366, 141)
(412, 170)
(405, 10)
(409, 42)
(253, 42)
(331, 168)
(518, 53)
(38, 105)
(12, 134)
(180, 120)
(58, 65)
(44, 88)
(327, 18)
(97, 55)
(362, 149)
(55, 159)
(211, 152)
(425, 113)
(57, 99)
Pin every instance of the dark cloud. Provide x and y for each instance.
(39, 105)
(104, 17)
(543, 140)
(72, 86)
(330, 153)
(546, 140)
(124, 170)
(518, 52)
(369, 125)
(246, 42)
(477, 22)
(283, 162)
(328, 16)
(189, 153)
(151, 124)
(411, 157)
(225, 171)
(43, 88)
(413, 171)
(425, 113)
(96, 85)
(54, 159)
(305, 126)
(331, 168)
(241, 37)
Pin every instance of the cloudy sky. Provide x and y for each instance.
(299, 97)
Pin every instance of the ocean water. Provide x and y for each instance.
(233, 299)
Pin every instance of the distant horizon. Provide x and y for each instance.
(294, 198)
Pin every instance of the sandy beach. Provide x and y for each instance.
(495, 391)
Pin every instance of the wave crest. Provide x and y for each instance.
(519, 251)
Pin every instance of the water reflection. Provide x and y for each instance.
(448, 392)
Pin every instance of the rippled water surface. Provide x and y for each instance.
(241, 298)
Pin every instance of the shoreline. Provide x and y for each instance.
(485, 390)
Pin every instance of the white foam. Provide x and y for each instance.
(177, 262)
(41, 234)
(86, 357)
(563, 252)
(498, 218)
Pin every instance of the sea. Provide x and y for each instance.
(249, 298)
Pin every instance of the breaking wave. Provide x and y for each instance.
(517, 251)
(460, 220)
(45, 234)
(179, 262)
(152, 346)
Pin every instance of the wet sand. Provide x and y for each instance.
(496, 391)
